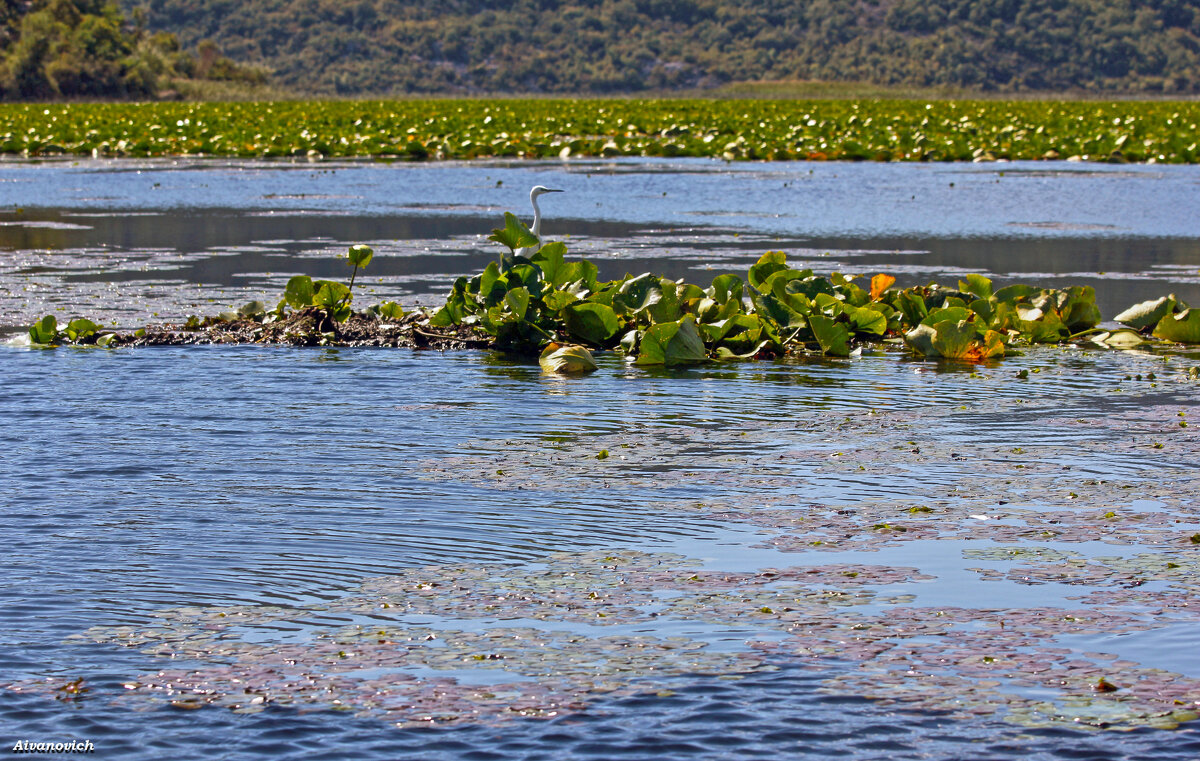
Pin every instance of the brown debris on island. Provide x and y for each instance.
(311, 327)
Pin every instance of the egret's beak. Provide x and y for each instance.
(554, 190)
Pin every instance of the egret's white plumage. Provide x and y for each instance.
(536, 227)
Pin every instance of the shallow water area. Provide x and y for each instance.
(382, 553)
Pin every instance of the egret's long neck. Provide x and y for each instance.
(537, 218)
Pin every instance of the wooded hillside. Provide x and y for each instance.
(52, 49)
(351, 47)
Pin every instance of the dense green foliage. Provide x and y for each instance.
(879, 130)
(549, 304)
(529, 303)
(606, 46)
(51, 49)
(540, 302)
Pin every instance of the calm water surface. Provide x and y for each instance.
(158, 488)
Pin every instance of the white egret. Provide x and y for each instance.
(536, 228)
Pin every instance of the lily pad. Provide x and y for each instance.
(570, 359)
(1147, 313)
(672, 343)
(1181, 328)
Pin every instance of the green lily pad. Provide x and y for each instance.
(834, 337)
(517, 301)
(514, 234)
(359, 256)
(1182, 328)
(672, 343)
(1147, 313)
(299, 292)
(977, 285)
(549, 259)
(44, 331)
(954, 339)
(591, 322)
(768, 264)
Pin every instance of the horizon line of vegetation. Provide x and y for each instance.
(434, 129)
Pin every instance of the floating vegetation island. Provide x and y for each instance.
(879, 130)
(557, 307)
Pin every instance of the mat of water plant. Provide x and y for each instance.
(1014, 558)
(880, 130)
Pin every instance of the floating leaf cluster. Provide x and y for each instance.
(526, 303)
(387, 665)
(545, 303)
(727, 129)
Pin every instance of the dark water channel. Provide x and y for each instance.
(245, 552)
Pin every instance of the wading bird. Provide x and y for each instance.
(536, 228)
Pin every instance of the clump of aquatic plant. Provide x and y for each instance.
(526, 303)
(1168, 318)
(330, 297)
(47, 332)
(733, 130)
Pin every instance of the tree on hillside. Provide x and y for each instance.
(53, 49)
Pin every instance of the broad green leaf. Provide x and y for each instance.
(1181, 328)
(777, 281)
(671, 343)
(811, 286)
(834, 337)
(514, 234)
(920, 340)
(549, 259)
(1078, 308)
(79, 329)
(252, 309)
(741, 331)
(1047, 330)
(724, 354)
(955, 314)
(44, 331)
(331, 296)
(591, 322)
(977, 285)
(782, 313)
(637, 294)
(726, 287)
(767, 265)
(984, 308)
(299, 292)
(954, 339)
(667, 308)
(446, 316)
(912, 306)
(1118, 339)
(1015, 293)
(517, 300)
(340, 313)
(359, 256)
(866, 320)
(554, 301)
(568, 360)
(1147, 313)
(390, 310)
(491, 288)
(582, 272)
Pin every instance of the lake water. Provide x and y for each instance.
(234, 552)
